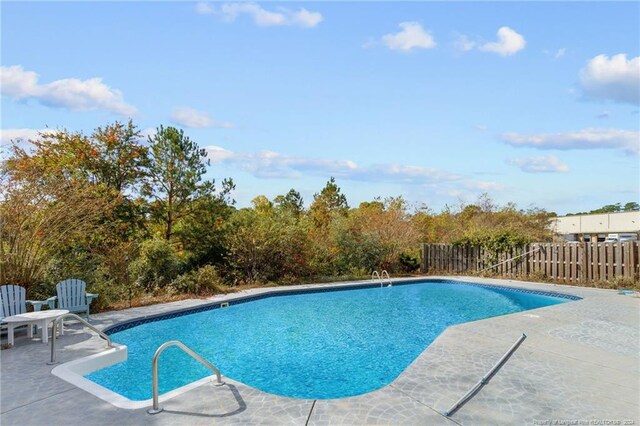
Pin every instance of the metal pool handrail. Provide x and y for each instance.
(381, 277)
(384, 272)
(154, 370)
(54, 327)
(485, 379)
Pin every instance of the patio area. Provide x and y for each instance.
(580, 364)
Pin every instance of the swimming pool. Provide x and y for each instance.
(316, 345)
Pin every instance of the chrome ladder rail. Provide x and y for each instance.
(383, 274)
(154, 370)
(54, 333)
(381, 277)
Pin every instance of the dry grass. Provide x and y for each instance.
(147, 299)
(152, 299)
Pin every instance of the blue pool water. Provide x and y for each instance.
(315, 345)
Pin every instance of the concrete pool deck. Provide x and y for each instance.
(579, 365)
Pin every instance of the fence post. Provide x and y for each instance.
(633, 261)
(603, 261)
(618, 258)
(581, 263)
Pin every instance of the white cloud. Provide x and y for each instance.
(559, 53)
(203, 8)
(369, 43)
(463, 43)
(217, 154)
(17, 83)
(484, 186)
(229, 12)
(626, 140)
(304, 18)
(410, 179)
(261, 17)
(616, 78)
(70, 93)
(269, 164)
(401, 174)
(189, 117)
(543, 164)
(555, 54)
(410, 37)
(509, 42)
(490, 186)
(8, 135)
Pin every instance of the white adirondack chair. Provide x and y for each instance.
(72, 296)
(13, 301)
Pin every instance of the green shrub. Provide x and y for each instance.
(205, 280)
(157, 265)
(113, 292)
(494, 241)
(266, 245)
(358, 251)
(208, 280)
(409, 263)
(357, 273)
(71, 262)
(185, 283)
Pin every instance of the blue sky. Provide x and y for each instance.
(534, 102)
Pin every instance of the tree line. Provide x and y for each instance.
(135, 217)
(631, 206)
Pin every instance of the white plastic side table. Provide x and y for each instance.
(42, 319)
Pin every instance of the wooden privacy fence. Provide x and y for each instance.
(568, 262)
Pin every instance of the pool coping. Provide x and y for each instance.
(74, 371)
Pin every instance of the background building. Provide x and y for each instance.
(592, 226)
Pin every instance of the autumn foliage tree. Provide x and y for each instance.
(135, 217)
(40, 215)
(388, 223)
(112, 156)
(121, 159)
(67, 193)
